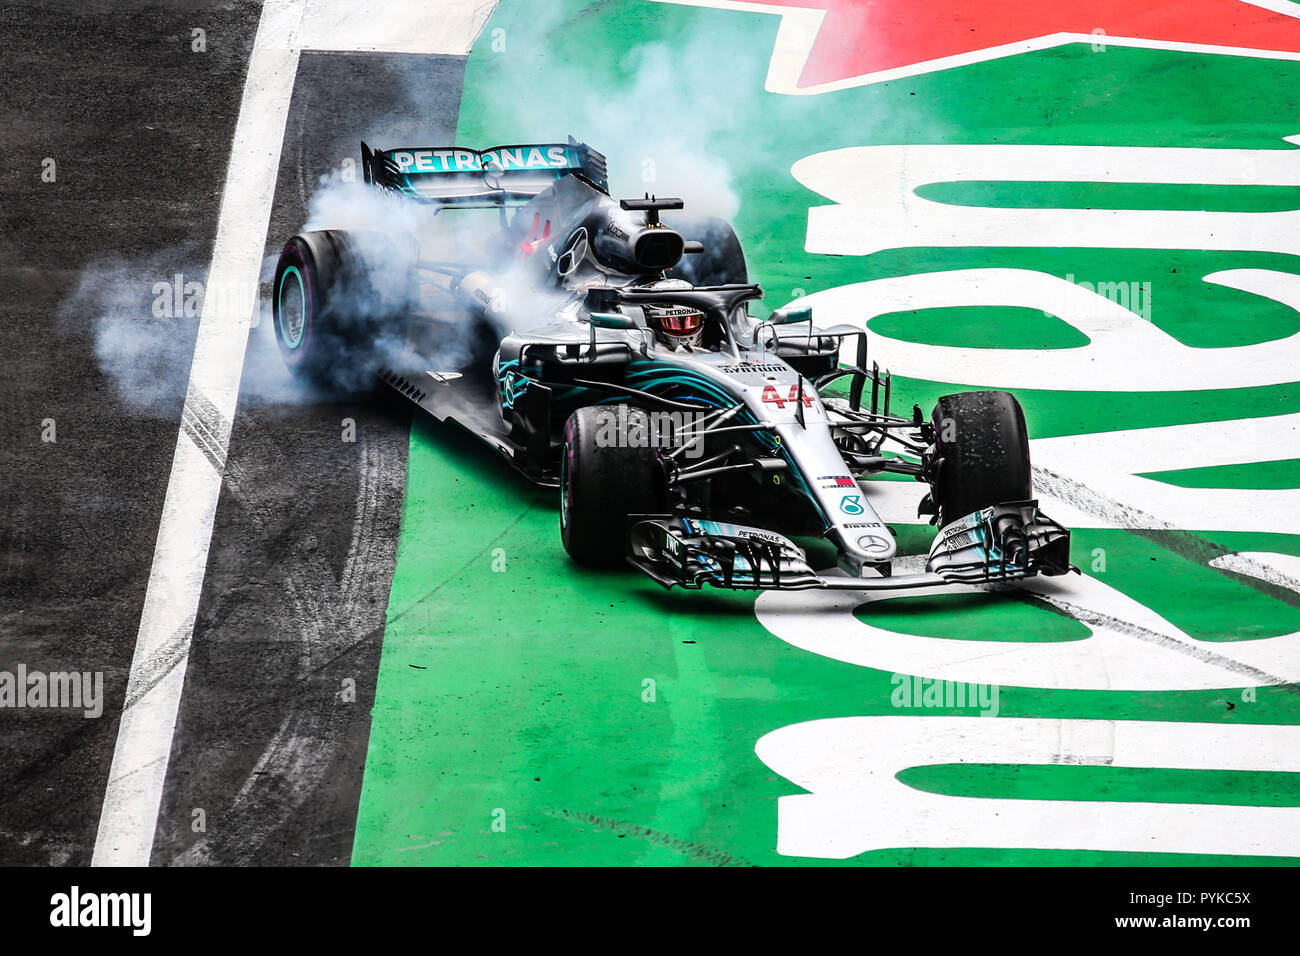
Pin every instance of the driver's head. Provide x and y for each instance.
(675, 326)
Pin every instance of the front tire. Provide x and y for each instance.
(608, 471)
(984, 446)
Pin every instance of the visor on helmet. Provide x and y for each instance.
(682, 321)
(676, 325)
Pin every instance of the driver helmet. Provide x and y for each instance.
(676, 326)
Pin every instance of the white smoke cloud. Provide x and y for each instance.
(144, 315)
(659, 135)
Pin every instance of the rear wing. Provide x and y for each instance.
(452, 174)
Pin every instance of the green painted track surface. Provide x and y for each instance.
(532, 713)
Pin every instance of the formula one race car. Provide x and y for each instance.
(605, 347)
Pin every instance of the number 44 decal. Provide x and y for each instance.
(772, 397)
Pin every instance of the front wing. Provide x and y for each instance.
(1002, 543)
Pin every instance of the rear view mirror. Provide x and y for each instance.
(612, 320)
(791, 314)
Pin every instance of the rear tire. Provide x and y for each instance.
(607, 472)
(721, 263)
(984, 444)
(334, 293)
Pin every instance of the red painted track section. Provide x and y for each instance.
(867, 37)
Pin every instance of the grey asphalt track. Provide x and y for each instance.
(139, 127)
(267, 745)
(306, 535)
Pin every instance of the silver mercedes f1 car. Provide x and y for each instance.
(606, 348)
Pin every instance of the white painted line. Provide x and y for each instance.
(144, 741)
(144, 738)
(853, 802)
